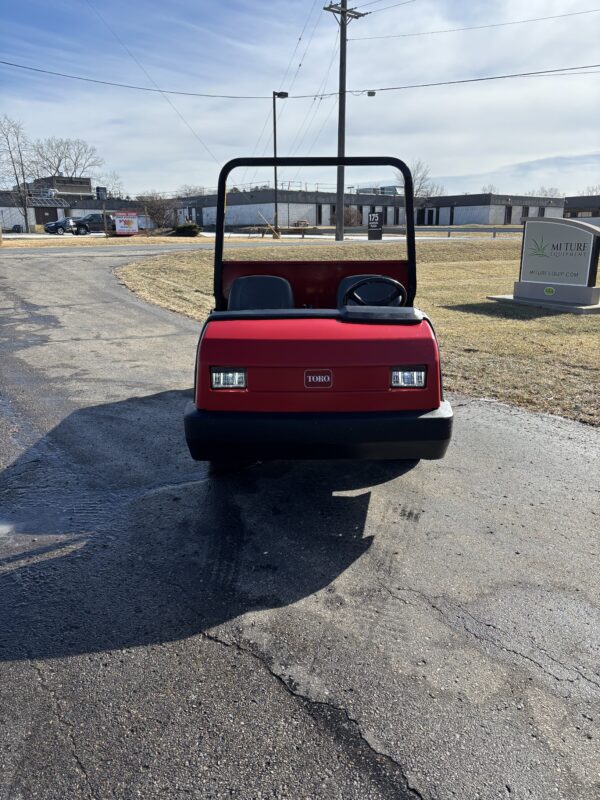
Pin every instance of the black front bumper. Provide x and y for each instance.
(215, 436)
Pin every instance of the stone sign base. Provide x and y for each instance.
(557, 293)
(560, 297)
(554, 305)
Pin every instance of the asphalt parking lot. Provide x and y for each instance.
(292, 630)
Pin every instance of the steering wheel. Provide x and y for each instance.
(397, 292)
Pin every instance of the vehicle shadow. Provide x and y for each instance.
(138, 545)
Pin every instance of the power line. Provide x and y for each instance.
(314, 107)
(474, 27)
(536, 73)
(287, 69)
(303, 56)
(282, 84)
(151, 79)
(321, 129)
(372, 3)
(376, 10)
(139, 88)
(301, 62)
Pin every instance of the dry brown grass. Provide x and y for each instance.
(95, 241)
(538, 359)
(89, 241)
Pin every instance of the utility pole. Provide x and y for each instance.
(281, 96)
(342, 14)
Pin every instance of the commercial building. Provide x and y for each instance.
(486, 209)
(583, 207)
(49, 199)
(257, 207)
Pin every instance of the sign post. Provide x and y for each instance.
(559, 266)
(375, 225)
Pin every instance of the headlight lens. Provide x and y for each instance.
(227, 378)
(408, 377)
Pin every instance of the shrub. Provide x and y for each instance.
(187, 229)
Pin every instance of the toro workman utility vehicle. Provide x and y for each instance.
(317, 359)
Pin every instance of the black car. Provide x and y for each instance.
(63, 225)
(94, 223)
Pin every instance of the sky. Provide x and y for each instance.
(515, 134)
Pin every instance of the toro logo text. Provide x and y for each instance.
(318, 379)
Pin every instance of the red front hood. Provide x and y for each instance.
(355, 357)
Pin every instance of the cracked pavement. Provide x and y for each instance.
(292, 630)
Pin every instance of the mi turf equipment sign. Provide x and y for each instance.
(559, 263)
(559, 252)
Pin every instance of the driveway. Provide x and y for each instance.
(293, 630)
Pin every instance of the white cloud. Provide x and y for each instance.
(474, 130)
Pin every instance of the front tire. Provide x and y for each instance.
(81, 231)
(60, 231)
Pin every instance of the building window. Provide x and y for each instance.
(541, 211)
(525, 211)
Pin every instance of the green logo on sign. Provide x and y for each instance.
(539, 248)
(549, 290)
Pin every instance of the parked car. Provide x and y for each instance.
(63, 225)
(94, 223)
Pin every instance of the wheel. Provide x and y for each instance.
(60, 231)
(81, 230)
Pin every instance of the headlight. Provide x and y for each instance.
(227, 378)
(408, 377)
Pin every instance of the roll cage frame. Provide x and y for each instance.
(320, 161)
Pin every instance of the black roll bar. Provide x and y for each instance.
(320, 161)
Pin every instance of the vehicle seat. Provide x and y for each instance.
(368, 292)
(260, 292)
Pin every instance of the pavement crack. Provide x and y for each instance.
(352, 725)
(66, 725)
(456, 616)
(386, 770)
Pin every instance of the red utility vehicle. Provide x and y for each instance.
(317, 359)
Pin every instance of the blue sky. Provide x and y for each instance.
(517, 134)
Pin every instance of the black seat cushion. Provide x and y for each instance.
(370, 292)
(260, 292)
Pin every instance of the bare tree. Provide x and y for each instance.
(72, 158)
(423, 185)
(113, 183)
(49, 156)
(545, 191)
(352, 217)
(16, 161)
(489, 188)
(590, 191)
(160, 209)
(191, 190)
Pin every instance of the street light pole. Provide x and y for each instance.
(281, 96)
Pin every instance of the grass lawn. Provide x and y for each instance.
(93, 241)
(542, 360)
